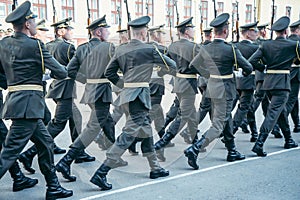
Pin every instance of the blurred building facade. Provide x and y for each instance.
(161, 12)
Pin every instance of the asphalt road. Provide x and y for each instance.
(274, 177)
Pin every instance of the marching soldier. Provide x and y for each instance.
(246, 85)
(185, 83)
(259, 94)
(293, 104)
(135, 60)
(25, 103)
(89, 64)
(20, 181)
(62, 92)
(102, 141)
(278, 55)
(215, 61)
(205, 104)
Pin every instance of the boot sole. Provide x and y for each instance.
(100, 185)
(84, 160)
(16, 189)
(26, 167)
(259, 153)
(195, 167)
(160, 175)
(66, 176)
(59, 197)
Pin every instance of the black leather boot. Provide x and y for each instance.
(58, 150)
(162, 142)
(26, 158)
(64, 165)
(84, 157)
(244, 128)
(254, 133)
(99, 178)
(156, 170)
(297, 128)
(233, 154)
(258, 147)
(276, 131)
(192, 152)
(21, 182)
(289, 142)
(54, 189)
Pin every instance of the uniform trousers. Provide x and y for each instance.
(156, 112)
(186, 115)
(293, 96)
(65, 110)
(138, 125)
(21, 131)
(245, 98)
(221, 120)
(100, 118)
(276, 111)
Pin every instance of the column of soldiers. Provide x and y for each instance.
(252, 71)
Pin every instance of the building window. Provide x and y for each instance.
(150, 9)
(94, 9)
(288, 11)
(115, 10)
(187, 9)
(67, 7)
(220, 8)
(248, 13)
(138, 8)
(39, 8)
(5, 7)
(170, 12)
(204, 12)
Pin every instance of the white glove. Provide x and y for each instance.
(239, 73)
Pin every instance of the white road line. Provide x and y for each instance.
(182, 175)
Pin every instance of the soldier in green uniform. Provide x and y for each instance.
(185, 83)
(246, 85)
(278, 54)
(135, 60)
(293, 103)
(88, 66)
(23, 60)
(216, 62)
(63, 93)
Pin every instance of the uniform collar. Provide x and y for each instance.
(280, 38)
(247, 41)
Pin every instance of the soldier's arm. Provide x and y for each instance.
(3, 82)
(196, 65)
(243, 63)
(297, 60)
(58, 71)
(74, 71)
(166, 64)
(111, 72)
(256, 58)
